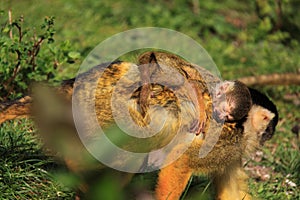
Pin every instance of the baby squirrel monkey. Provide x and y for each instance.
(152, 63)
(232, 100)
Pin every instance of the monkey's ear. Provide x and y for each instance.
(261, 117)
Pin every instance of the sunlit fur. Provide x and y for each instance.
(222, 164)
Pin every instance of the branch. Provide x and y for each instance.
(34, 52)
(19, 28)
(279, 20)
(7, 85)
(10, 23)
(272, 79)
(196, 9)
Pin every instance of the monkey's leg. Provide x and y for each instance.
(232, 184)
(173, 179)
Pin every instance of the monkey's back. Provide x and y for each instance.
(114, 91)
(114, 78)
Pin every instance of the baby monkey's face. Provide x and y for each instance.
(224, 103)
(232, 100)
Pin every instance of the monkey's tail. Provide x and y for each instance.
(19, 108)
(22, 107)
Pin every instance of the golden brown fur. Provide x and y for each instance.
(223, 163)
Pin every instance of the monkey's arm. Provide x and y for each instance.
(232, 183)
(199, 102)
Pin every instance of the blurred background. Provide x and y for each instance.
(43, 40)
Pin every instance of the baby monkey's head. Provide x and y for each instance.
(232, 100)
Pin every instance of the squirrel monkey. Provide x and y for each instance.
(223, 163)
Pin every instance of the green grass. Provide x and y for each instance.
(27, 173)
(25, 169)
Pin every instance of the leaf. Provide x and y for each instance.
(74, 54)
(6, 29)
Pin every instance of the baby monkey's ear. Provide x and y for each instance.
(260, 117)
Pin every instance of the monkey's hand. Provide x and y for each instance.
(197, 127)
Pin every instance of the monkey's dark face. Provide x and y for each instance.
(262, 100)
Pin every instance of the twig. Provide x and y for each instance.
(20, 31)
(272, 79)
(15, 72)
(34, 52)
(10, 23)
(279, 20)
(196, 9)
